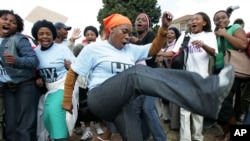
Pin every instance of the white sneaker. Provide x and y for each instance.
(87, 134)
(98, 129)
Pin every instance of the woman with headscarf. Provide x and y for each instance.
(54, 61)
(84, 114)
(115, 80)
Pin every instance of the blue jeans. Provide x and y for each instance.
(21, 112)
(133, 110)
(158, 82)
(134, 107)
(128, 122)
(151, 121)
(111, 127)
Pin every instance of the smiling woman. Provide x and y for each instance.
(52, 70)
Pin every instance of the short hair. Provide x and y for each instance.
(176, 31)
(92, 28)
(239, 21)
(19, 20)
(43, 23)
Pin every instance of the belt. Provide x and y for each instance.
(12, 85)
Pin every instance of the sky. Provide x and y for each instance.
(82, 13)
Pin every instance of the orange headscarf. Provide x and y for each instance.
(114, 20)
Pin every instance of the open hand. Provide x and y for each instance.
(76, 34)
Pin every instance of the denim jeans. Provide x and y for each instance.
(111, 127)
(176, 86)
(133, 110)
(151, 120)
(128, 122)
(21, 112)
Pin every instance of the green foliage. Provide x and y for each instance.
(131, 8)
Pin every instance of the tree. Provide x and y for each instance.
(131, 8)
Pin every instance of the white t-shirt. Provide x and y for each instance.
(198, 58)
(102, 61)
(51, 66)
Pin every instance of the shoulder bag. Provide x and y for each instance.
(179, 59)
(239, 59)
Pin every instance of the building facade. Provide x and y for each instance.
(182, 22)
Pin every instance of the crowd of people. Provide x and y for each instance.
(58, 88)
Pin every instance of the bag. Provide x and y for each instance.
(211, 65)
(179, 59)
(241, 62)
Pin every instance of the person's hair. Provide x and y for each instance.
(19, 20)
(219, 12)
(92, 28)
(239, 21)
(43, 23)
(176, 31)
(208, 26)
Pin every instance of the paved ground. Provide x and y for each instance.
(172, 135)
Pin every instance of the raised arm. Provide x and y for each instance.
(161, 36)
